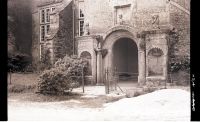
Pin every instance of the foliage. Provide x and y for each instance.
(11, 36)
(173, 41)
(177, 62)
(180, 63)
(20, 20)
(18, 62)
(63, 42)
(60, 78)
(45, 62)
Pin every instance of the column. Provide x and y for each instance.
(94, 68)
(99, 68)
(142, 66)
(165, 67)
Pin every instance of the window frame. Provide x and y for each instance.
(46, 27)
(53, 9)
(41, 33)
(47, 15)
(81, 32)
(41, 16)
(81, 13)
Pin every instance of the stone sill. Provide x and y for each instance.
(85, 37)
(156, 78)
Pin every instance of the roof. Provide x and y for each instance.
(50, 2)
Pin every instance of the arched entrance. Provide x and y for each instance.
(125, 59)
(113, 41)
(87, 56)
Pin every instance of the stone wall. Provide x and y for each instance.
(97, 13)
(102, 14)
(181, 22)
(88, 44)
(63, 40)
(146, 10)
(60, 31)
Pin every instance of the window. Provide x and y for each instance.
(42, 16)
(81, 30)
(47, 15)
(81, 18)
(44, 27)
(53, 9)
(81, 15)
(47, 29)
(44, 23)
(42, 33)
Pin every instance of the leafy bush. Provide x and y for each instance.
(18, 62)
(62, 77)
(176, 62)
(45, 62)
(180, 63)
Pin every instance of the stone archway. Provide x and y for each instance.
(111, 37)
(87, 56)
(125, 59)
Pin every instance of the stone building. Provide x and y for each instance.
(129, 36)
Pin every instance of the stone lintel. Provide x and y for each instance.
(88, 37)
(157, 31)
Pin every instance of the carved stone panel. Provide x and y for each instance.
(155, 62)
(123, 14)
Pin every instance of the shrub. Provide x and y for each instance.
(62, 77)
(45, 62)
(177, 62)
(18, 62)
(180, 63)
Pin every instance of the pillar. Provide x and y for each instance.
(142, 66)
(99, 68)
(94, 69)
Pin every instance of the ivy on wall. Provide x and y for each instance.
(177, 62)
(63, 42)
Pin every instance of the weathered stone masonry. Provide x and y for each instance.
(108, 22)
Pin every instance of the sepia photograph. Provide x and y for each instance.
(99, 60)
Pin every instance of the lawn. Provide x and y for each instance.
(22, 82)
(23, 78)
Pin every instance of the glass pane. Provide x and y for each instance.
(47, 15)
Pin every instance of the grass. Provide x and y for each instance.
(18, 88)
(21, 82)
(23, 87)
